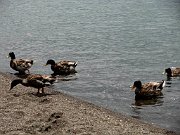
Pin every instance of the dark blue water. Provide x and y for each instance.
(115, 43)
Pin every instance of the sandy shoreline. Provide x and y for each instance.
(24, 113)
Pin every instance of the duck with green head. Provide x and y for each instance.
(20, 65)
(63, 67)
(172, 72)
(148, 90)
(36, 81)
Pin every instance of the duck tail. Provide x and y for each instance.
(75, 64)
(31, 62)
(162, 85)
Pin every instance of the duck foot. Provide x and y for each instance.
(39, 94)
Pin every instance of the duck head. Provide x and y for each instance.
(137, 86)
(168, 72)
(15, 82)
(50, 62)
(12, 55)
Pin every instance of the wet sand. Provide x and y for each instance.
(22, 112)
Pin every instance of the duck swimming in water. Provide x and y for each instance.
(172, 72)
(20, 65)
(36, 81)
(148, 90)
(62, 67)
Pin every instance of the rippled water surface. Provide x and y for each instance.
(114, 41)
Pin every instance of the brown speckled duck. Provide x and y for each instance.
(172, 72)
(62, 67)
(35, 80)
(148, 90)
(20, 65)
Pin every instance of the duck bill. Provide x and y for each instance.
(132, 88)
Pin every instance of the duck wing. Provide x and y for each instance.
(35, 81)
(48, 78)
(152, 88)
(148, 86)
(34, 77)
(23, 63)
(63, 67)
(41, 78)
(154, 85)
(58, 67)
(68, 63)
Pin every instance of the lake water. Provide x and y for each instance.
(114, 41)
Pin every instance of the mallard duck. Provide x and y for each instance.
(148, 90)
(172, 72)
(36, 80)
(62, 67)
(20, 65)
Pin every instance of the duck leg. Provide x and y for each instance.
(22, 73)
(42, 90)
(38, 91)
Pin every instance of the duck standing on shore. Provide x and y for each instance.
(62, 67)
(148, 90)
(20, 65)
(172, 72)
(35, 80)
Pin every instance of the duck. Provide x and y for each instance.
(36, 81)
(172, 72)
(148, 90)
(20, 65)
(63, 67)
